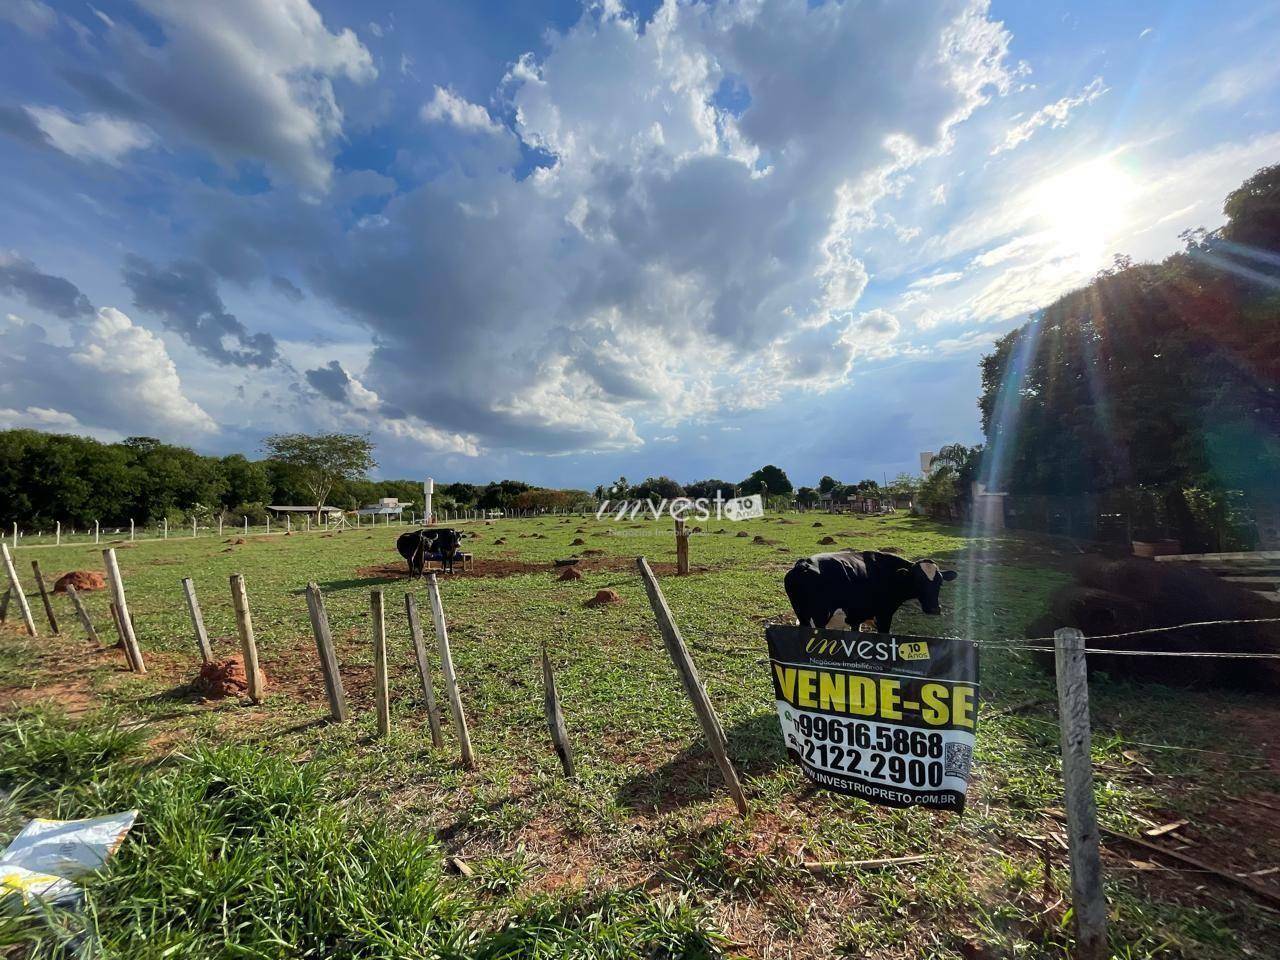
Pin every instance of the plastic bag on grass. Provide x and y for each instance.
(43, 860)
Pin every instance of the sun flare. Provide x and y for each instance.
(1083, 209)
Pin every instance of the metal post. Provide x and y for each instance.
(1087, 899)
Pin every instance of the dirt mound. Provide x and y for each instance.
(500, 540)
(697, 530)
(817, 523)
(604, 598)
(1121, 595)
(82, 580)
(743, 534)
(825, 541)
(891, 549)
(578, 542)
(237, 540)
(225, 678)
(571, 573)
(593, 552)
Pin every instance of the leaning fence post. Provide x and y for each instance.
(424, 670)
(693, 687)
(132, 651)
(1087, 899)
(381, 693)
(44, 597)
(328, 658)
(450, 679)
(16, 588)
(555, 717)
(197, 620)
(244, 626)
(83, 614)
(120, 632)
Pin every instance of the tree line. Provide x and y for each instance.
(1155, 388)
(47, 477)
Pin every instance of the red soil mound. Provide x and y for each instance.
(226, 678)
(603, 598)
(827, 540)
(82, 580)
(578, 542)
(571, 573)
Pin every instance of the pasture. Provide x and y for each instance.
(642, 854)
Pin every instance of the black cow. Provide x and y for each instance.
(445, 547)
(842, 590)
(419, 546)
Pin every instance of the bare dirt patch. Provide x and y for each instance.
(482, 567)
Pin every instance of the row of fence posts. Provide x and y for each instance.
(1084, 836)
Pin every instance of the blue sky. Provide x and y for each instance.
(563, 241)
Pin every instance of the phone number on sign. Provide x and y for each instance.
(890, 754)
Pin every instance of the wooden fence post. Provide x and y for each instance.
(555, 718)
(682, 547)
(15, 589)
(328, 658)
(248, 646)
(83, 614)
(44, 597)
(125, 625)
(424, 670)
(693, 687)
(197, 620)
(1087, 899)
(123, 644)
(381, 693)
(450, 679)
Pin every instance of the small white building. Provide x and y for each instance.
(387, 506)
(309, 511)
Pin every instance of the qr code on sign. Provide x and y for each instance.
(958, 760)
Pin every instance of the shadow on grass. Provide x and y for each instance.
(755, 747)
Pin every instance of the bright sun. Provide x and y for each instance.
(1083, 209)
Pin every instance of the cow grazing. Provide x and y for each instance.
(419, 546)
(841, 590)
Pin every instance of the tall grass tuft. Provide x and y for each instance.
(237, 853)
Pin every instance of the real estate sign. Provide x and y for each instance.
(891, 719)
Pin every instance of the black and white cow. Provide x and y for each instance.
(419, 546)
(839, 591)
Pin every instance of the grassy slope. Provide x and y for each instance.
(648, 813)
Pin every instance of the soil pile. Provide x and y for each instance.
(82, 580)
(570, 573)
(225, 678)
(604, 598)
(1116, 596)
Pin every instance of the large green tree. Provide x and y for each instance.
(322, 460)
(1161, 377)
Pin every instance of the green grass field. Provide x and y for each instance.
(266, 832)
